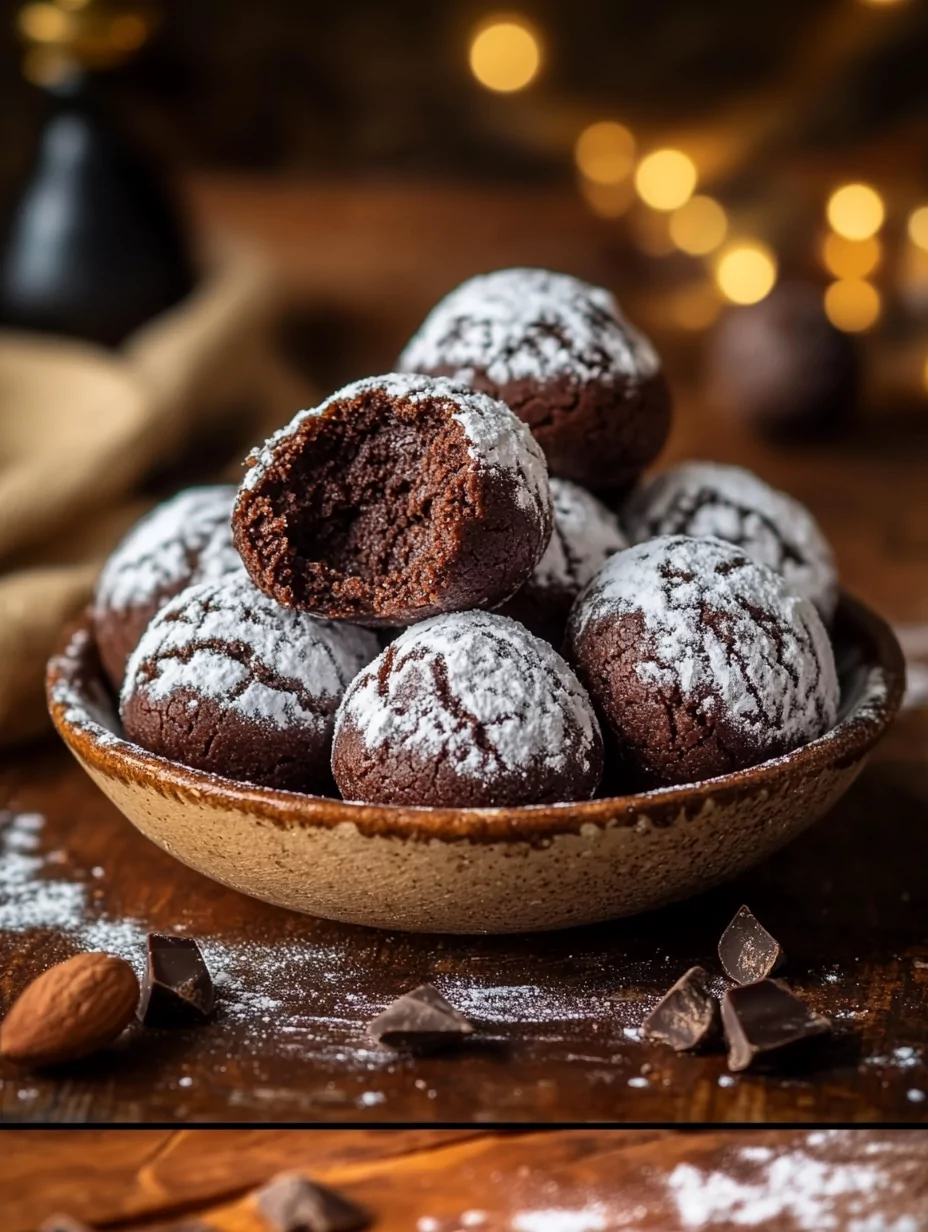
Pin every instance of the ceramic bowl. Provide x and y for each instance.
(481, 870)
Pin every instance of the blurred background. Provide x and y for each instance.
(214, 212)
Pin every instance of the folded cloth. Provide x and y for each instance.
(81, 428)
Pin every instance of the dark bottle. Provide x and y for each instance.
(95, 247)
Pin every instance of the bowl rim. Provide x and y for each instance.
(68, 681)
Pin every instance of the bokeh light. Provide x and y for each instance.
(44, 23)
(746, 271)
(852, 304)
(695, 306)
(851, 258)
(855, 211)
(918, 227)
(698, 226)
(505, 54)
(607, 200)
(605, 152)
(665, 179)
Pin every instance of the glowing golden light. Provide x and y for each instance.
(918, 227)
(665, 179)
(44, 23)
(746, 271)
(650, 232)
(607, 200)
(505, 54)
(605, 152)
(855, 211)
(851, 258)
(696, 306)
(852, 304)
(698, 226)
(882, 4)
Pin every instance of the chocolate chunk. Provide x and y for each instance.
(422, 1020)
(747, 951)
(291, 1203)
(63, 1223)
(686, 1016)
(177, 988)
(765, 1017)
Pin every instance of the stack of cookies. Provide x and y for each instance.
(448, 585)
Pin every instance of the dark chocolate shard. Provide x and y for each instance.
(177, 989)
(421, 1019)
(687, 1015)
(63, 1223)
(764, 1018)
(749, 953)
(291, 1203)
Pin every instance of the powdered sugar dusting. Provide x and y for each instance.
(585, 534)
(531, 708)
(186, 647)
(730, 503)
(496, 437)
(782, 674)
(186, 539)
(530, 324)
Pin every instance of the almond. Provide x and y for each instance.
(70, 1010)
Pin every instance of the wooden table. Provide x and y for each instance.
(558, 1014)
(446, 1181)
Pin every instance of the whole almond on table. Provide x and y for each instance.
(70, 1011)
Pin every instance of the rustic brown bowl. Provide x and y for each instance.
(481, 870)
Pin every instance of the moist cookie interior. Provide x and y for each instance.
(369, 498)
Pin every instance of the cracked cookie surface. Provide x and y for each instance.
(467, 710)
(558, 352)
(226, 681)
(700, 660)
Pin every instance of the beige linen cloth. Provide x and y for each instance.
(81, 427)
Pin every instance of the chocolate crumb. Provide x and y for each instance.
(420, 1020)
(764, 1018)
(749, 953)
(177, 988)
(291, 1203)
(687, 1016)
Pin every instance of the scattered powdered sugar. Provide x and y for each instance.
(585, 534)
(592, 1218)
(730, 503)
(497, 439)
(765, 658)
(529, 705)
(530, 324)
(186, 539)
(228, 641)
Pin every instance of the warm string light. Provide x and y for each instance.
(918, 227)
(855, 211)
(607, 200)
(846, 258)
(699, 226)
(852, 304)
(605, 152)
(665, 179)
(505, 54)
(746, 271)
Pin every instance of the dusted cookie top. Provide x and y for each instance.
(224, 680)
(701, 660)
(585, 534)
(560, 353)
(467, 709)
(398, 497)
(727, 502)
(184, 540)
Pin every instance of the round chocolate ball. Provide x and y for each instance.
(184, 540)
(399, 497)
(560, 353)
(226, 681)
(700, 661)
(585, 534)
(468, 709)
(730, 503)
(781, 366)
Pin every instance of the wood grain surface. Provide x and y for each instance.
(443, 1181)
(557, 1014)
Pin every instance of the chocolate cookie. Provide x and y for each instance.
(470, 710)
(224, 680)
(700, 661)
(585, 534)
(727, 502)
(559, 352)
(185, 540)
(399, 497)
